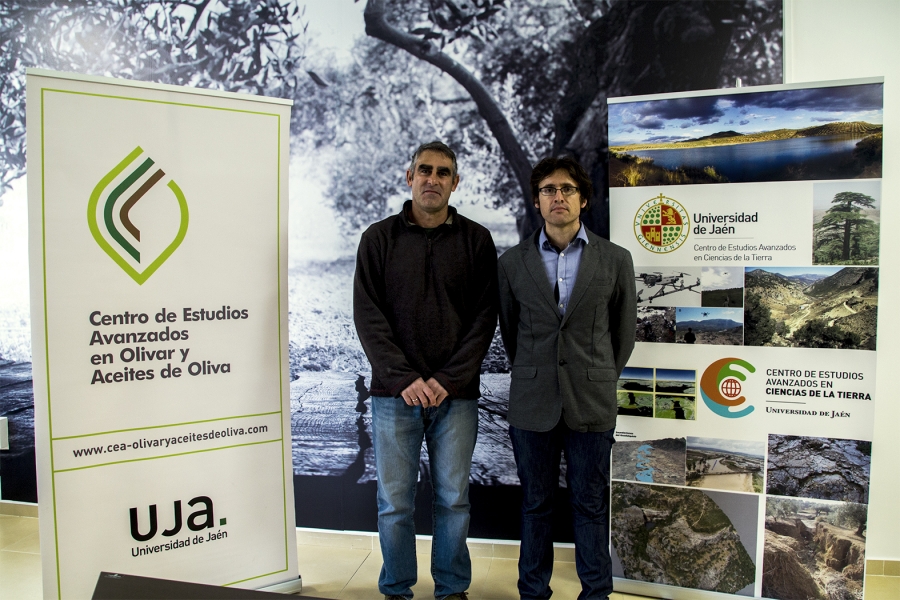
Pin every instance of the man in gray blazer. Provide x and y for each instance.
(567, 317)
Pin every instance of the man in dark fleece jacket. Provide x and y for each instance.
(425, 308)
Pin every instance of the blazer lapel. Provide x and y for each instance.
(590, 260)
(535, 266)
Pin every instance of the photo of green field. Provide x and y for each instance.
(634, 404)
(682, 408)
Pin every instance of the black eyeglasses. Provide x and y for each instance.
(549, 190)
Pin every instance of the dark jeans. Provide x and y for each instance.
(587, 476)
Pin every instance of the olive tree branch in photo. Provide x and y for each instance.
(233, 45)
(539, 72)
(424, 49)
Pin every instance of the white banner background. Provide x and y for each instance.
(813, 393)
(220, 435)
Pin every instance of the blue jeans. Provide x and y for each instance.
(587, 476)
(449, 431)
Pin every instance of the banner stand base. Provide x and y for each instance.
(119, 586)
(294, 586)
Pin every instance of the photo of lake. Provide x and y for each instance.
(786, 135)
(821, 157)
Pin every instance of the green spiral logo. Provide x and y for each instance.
(122, 241)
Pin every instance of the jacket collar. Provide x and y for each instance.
(590, 259)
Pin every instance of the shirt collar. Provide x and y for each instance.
(407, 208)
(544, 241)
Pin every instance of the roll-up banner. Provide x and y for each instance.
(746, 411)
(158, 222)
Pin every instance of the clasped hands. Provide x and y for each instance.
(424, 393)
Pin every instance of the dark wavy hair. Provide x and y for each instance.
(550, 165)
(434, 146)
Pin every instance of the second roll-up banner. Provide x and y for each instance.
(746, 412)
(158, 222)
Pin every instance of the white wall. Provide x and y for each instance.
(843, 39)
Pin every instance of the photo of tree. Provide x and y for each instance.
(502, 84)
(846, 219)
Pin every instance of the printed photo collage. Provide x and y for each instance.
(815, 491)
(832, 303)
(657, 393)
(779, 516)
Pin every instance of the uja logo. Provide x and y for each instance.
(109, 215)
(661, 224)
(720, 387)
(202, 518)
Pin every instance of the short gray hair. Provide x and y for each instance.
(434, 146)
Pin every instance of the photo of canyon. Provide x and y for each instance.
(814, 549)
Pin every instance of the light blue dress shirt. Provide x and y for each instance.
(562, 266)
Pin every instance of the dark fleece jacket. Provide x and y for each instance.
(425, 303)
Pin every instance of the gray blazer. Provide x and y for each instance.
(567, 364)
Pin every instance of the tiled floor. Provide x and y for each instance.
(350, 571)
(20, 558)
(346, 567)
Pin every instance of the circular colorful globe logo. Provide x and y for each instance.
(661, 224)
(731, 387)
(720, 387)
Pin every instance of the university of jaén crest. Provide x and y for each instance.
(661, 224)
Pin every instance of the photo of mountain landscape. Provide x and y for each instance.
(689, 538)
(811, 307)
(649, 461)
(722, 464)
(719, 326)
(785, 135)
(814, 549)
